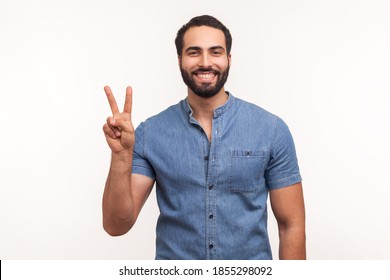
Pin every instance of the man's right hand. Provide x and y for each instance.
(119, 130)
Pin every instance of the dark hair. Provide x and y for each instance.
(204, 20)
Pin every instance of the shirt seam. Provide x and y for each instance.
(274, 136)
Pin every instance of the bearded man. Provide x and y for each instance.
(214, 159)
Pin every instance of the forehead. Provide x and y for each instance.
(204, 36)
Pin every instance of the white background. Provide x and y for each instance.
(323, 66)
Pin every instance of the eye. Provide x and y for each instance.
(216, 52)
(193, 53)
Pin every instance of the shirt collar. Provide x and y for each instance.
(217, 112)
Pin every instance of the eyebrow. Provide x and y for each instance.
(196, 48)
(217, 48)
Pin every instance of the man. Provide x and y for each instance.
(214, 159)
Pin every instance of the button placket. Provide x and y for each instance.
(212, 180)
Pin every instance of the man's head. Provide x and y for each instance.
(204, 20)
(203, 47)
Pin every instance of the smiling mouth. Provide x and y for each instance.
(206, 76)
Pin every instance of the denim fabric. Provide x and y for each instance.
(212, 196)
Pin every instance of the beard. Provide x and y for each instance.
(205, 90)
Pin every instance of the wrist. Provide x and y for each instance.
(122, 160)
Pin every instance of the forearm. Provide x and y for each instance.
(118, 206)
(292, 242)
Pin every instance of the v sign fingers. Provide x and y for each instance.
(111, 100)
(119, 129)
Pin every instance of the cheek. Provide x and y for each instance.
(222, 63)
(188, 63)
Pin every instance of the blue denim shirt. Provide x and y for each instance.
(212, 196)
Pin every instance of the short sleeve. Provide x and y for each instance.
(140, 163)
(282, 169)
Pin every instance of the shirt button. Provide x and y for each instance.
(211, 246)
(211, 216)
(211, 187)
(206, 158)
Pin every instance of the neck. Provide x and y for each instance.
(203, 108)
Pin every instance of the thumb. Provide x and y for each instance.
(123, 125)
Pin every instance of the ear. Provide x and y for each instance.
(230, 59)
(179, 59)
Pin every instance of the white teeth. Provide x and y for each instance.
(206, 76)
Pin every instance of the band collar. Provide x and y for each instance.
(217, 112)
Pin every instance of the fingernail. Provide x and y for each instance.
(117, 133)
(112, 121)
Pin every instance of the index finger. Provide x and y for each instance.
(111, 100)
(128, 101)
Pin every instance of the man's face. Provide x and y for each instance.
(204, 63)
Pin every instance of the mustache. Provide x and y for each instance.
(207, 70)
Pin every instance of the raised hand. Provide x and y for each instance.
(119, 130)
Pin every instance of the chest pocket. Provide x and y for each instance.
(246, 170)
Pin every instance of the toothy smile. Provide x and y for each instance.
(205, 76)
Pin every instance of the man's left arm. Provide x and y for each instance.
(288, 206)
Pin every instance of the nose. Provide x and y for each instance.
(205, 61)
